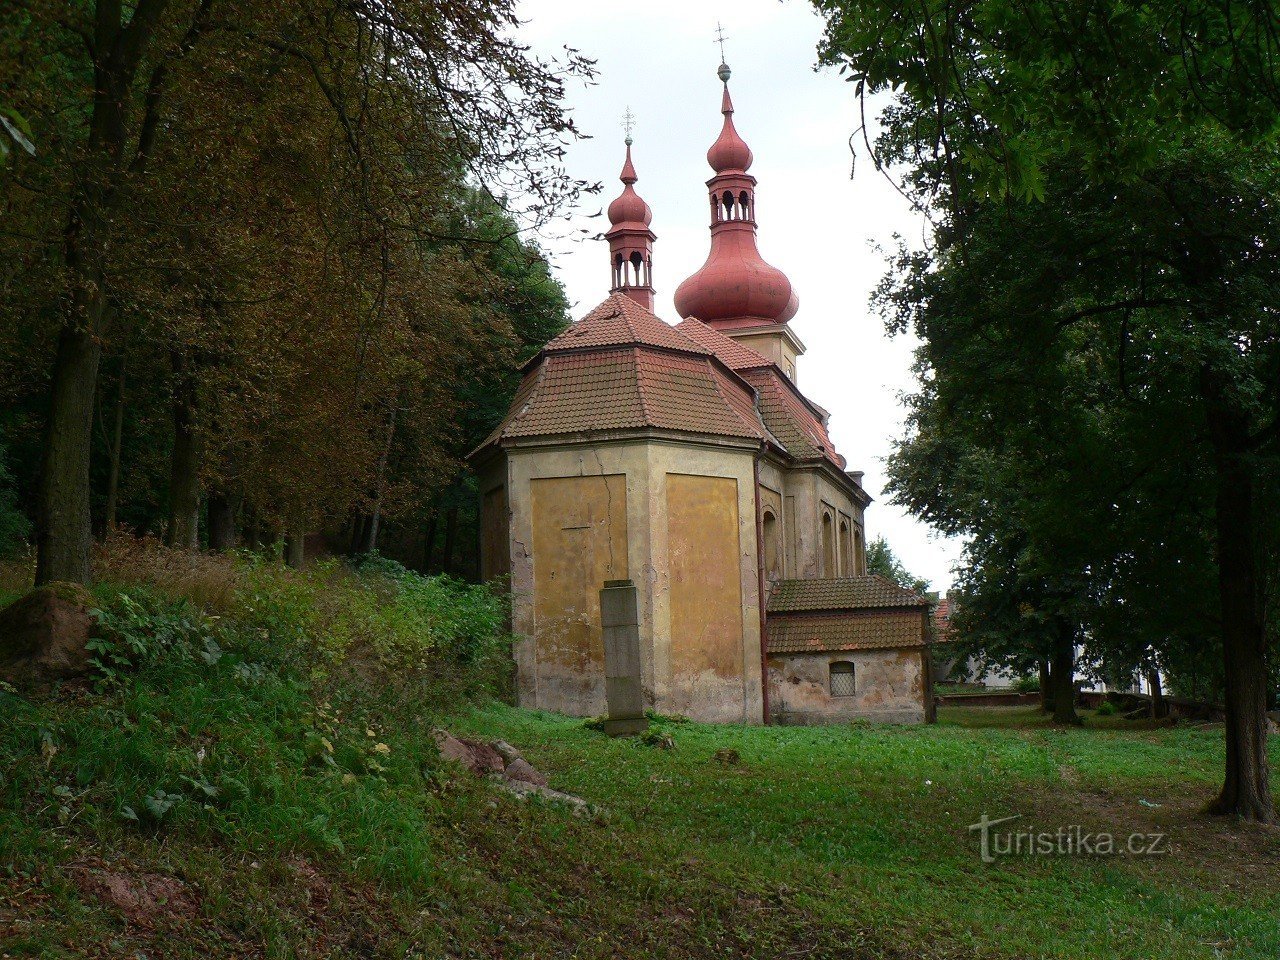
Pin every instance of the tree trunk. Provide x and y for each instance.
(450, 539)
(64, 529)
(429, 539)
(369, 542)
(184, 466)
(63, 522)
(1246, 789)
(1046, 679)
(222, 521)
(1158, 707)
(117, 442)
(294, 547)
(1063, 676)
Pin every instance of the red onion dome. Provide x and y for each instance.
(628, 207)
(730, 153)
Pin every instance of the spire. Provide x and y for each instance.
(735, 288)
(629, 236)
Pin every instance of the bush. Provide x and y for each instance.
(138, 628)
(1028, 684)
(1106, 708)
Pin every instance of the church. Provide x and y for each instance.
(684, 458)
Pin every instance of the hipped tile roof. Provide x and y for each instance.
(856, 630)
(620, 321)
(621, 367)
(850, 593)
(734, 355)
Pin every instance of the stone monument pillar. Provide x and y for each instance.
(621, 627)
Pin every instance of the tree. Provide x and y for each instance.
(409, 99)
(883, 561)
(1136, 196)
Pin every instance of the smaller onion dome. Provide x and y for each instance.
(628, 207)
(730, 153)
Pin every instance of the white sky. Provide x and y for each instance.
(815, 223)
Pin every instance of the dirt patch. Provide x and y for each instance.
(144, 899)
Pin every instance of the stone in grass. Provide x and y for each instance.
(43, 637)
(522, 770)
(478, 758)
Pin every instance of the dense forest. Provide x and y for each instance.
(264, 278)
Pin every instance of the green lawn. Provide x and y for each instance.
(823, 842)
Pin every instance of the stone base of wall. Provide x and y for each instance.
(829, 717)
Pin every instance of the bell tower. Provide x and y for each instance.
(630, 239)
(736, 291)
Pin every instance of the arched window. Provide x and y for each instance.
(727, 200)
(617, 270)
(846, 548)
(828, 547)
(744, 202)
(769, 533)
(637, 259)
(842, 684)
(859, 555)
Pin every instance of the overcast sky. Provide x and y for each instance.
(816, 223)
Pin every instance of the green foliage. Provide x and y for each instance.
(1028, 683)
(137, 628)
(883, 561)
(1106, 709)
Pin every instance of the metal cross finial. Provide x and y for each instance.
(628, 124)
(720, 39)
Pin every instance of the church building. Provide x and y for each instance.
(684, 458)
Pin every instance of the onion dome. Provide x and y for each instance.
(730, 153)
(735, 288)
(628, 208)
(631, 240)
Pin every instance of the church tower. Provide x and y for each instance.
(631, 240)
(736, 291)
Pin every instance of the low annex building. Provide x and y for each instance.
(685, 458)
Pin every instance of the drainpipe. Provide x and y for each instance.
(764, 650)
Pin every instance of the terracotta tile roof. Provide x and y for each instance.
(734, 355)
(942, 620)
(790, 419)
(862, 630)
(850, 593)
(629, 387)
(620, 321)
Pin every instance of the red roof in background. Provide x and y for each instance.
(790, 419)
(942, 619)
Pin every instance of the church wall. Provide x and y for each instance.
(889, 687)
(686, 641)
(579, 542)
(541, 546)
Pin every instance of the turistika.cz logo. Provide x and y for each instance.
(998, 840)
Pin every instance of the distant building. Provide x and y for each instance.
(685, 458)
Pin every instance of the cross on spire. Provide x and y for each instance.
(720, 39)
(628, 124)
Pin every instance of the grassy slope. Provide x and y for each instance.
(823, 842)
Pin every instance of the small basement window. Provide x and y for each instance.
(842, 679)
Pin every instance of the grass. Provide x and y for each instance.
(297, 811)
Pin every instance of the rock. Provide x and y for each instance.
(522, 770)
(505, 750)
(579, 807)
(43, 636)
(727, 756)
(479, 758)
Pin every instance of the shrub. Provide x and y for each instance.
(137, 628)
(1106, 708)
(1028, 684)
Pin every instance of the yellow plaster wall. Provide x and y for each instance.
(579, 541)
(703, 559)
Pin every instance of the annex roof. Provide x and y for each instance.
(849, 593)
(734, 355)
(872, 629)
